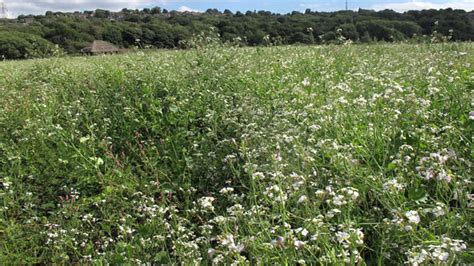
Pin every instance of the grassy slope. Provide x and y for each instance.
(328, 154)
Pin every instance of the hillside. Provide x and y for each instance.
(156, 28)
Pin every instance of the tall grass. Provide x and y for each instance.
(282, 155)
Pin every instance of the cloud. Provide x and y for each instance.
(418, 5)
(17, 7)
(186, 9)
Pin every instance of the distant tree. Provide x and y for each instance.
(71, 31)
(365, 38)
(147, 35)
(389, 14)
(300, 37)
(113, 34)
(133, 18)
(255, 36)
(376, 30)
(18, 45)
(282, 19)
(156, 10)
(131, 36)
(100, 13)
(328, 36)
(408, 28)
(349, 31)
(264, 13)
(212, 11)
(163, 36)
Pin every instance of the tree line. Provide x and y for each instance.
(39, 36)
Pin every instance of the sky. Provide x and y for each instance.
(17, 7)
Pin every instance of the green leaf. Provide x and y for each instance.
(417, 194)
(391, 166)
(162, 257)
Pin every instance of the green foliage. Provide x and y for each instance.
(378, 30)
(349, 31)
(100, 13)
(156, 28)
(113, 34)
(18, 45)
(328, 155)
(300, 37)
(365, 38)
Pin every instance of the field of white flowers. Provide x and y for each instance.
(283, 155)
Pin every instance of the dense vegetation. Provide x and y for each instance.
(278, 155)
(23, 45)
(162, 29)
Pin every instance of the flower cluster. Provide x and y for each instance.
(330, 155)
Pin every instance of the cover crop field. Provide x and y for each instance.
(355, 154)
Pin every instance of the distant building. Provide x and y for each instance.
(100, 47)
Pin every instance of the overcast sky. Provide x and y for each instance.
(17, 7)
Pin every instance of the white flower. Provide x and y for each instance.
(299, 244)
(211, 252)
(306, 82)
(258, 176)
(304, 232)
(206, 203)
(278, 157)
(297, 185)
(314, 128)
(227, 240)
(332, 213)
(303, 199)
(438, 211)
(339, 200)
(393, 184)
(235, 210)
(237, 248)
(320, 193)
(443, 256)
(413, 217)
(342, 236)
(226, 190)
(279, 242)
